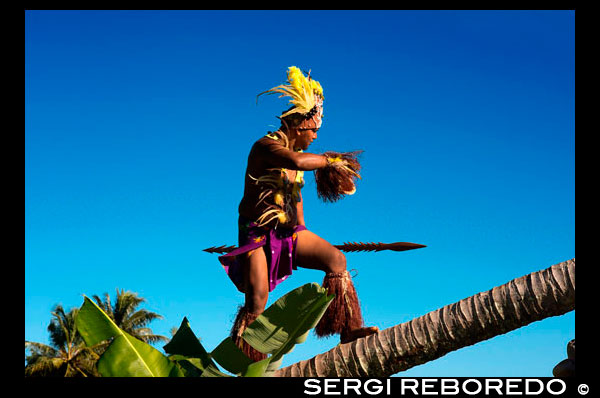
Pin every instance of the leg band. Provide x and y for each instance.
(343, 313)
(243, 319)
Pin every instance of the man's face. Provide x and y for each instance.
(306, 133)
(305, 137)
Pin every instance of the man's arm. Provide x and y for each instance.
(276, 155)
(300, 210)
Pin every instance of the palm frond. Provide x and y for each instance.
(147, 336)
(46, 367)
(41, 350)
(125, 305)
(142, 318)
(105, 304)
(62, 329)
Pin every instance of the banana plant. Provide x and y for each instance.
(126, 355)
(276, 331)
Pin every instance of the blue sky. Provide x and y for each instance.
(138, 126)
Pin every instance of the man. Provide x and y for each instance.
(273, 238)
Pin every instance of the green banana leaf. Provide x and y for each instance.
(129, 357)
(212, 371)
(191, 367)
(185, 346)
(126, 356)
(288, 321)
(276, 331)
(231, 358)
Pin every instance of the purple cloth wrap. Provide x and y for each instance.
(280, 250)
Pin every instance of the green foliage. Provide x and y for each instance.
(124, 312)
(187, 351)
(126, 355)
(276, 331)
(67, 355)
(288, 321)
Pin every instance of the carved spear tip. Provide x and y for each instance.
(399, 246)
(220, 249)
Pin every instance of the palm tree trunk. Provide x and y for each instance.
(530, 298)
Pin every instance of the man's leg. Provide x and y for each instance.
(343, 316)
(256, 287)
(256, 280)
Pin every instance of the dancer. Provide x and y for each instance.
(273, 238)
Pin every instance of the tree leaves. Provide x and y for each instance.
(276, 331)
(126, 355)
(130, 357)
(187, 351)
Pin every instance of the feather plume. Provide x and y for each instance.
(304, 92)
(271, 215)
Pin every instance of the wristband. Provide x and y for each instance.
(331, 160)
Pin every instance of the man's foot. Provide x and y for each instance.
(352, 335)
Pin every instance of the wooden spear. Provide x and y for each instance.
(346, 247)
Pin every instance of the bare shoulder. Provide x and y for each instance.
(272, 151)
(270, 144)
(261, 151)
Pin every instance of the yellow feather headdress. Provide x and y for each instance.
(306, 94)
